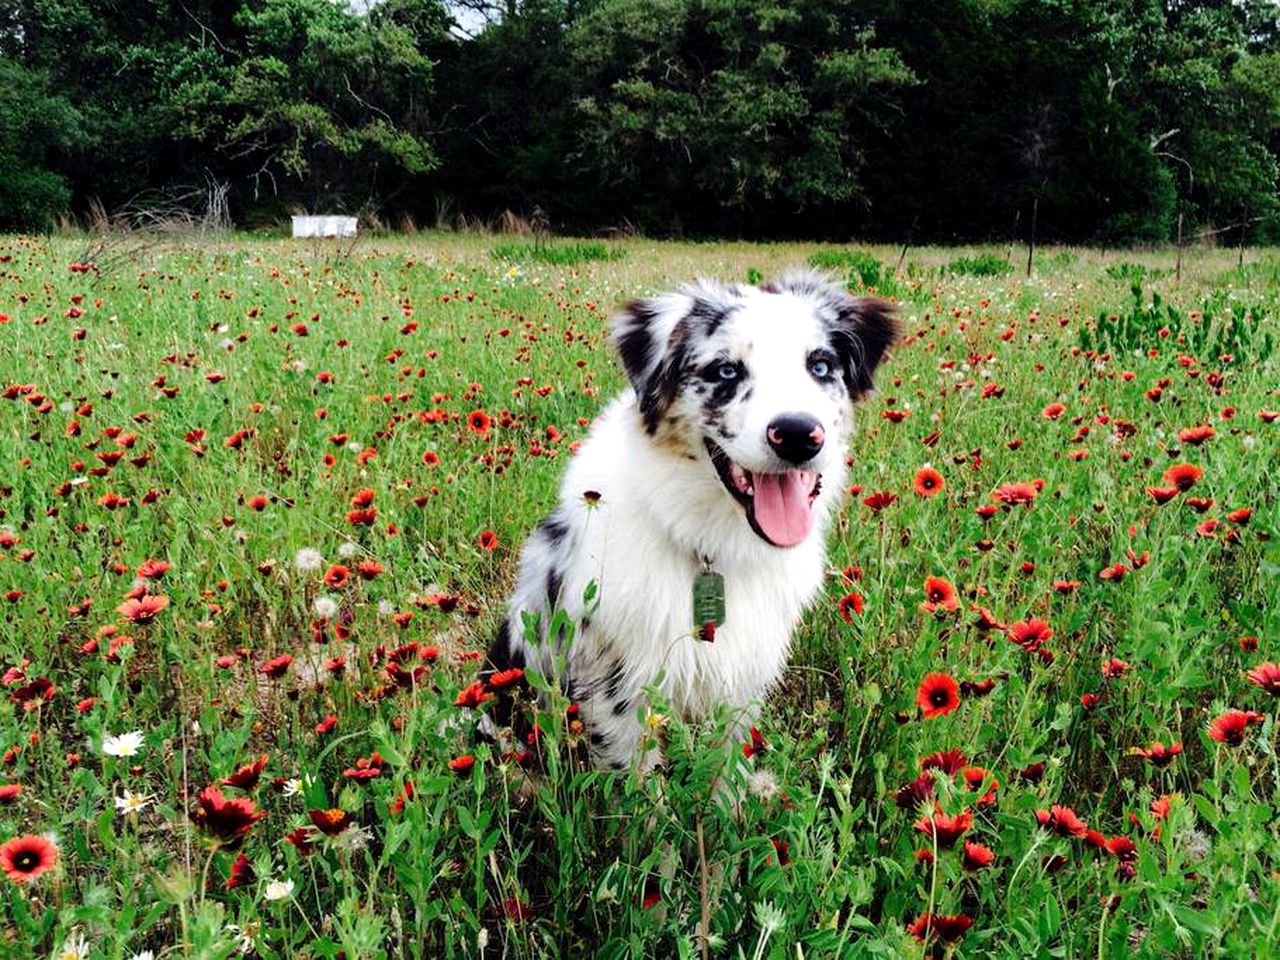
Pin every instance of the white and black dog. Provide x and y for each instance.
(716, 474)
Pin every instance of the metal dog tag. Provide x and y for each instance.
(708, 598)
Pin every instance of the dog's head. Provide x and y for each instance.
(758, 383)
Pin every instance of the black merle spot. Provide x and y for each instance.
(613, 681)
(555, 578)
(621, 707)
(635, 340)
(503, 654)
(661, 387)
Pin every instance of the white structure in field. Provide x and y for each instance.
(326, 226)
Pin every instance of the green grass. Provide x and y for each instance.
(109, 376)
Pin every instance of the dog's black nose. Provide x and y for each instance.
(796, 437)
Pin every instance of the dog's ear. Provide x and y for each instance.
(862, 332)
(652, 337)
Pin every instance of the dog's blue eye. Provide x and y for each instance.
(820, 367)
(728, 371)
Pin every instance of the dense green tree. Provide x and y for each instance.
(929, 119)
(36, 126)
(701, 106)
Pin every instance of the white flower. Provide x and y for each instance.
(144, 955)
(73, 948)
(325, 607)
(355, 447)
(130, 802)
(308, 560)
(125, 745)
(386, 607)
(348, 550)
(278, 890)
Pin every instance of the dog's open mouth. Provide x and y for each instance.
(779, 505)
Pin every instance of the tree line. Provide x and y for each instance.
(896, 119)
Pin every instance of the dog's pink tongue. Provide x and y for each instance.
(782, 508)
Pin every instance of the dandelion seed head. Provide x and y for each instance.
(325, 607)
(308, 560)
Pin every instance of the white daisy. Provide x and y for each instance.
(125, 745)
(130, 802)
(73, 948)
(278, 890)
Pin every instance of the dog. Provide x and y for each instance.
(691, 526)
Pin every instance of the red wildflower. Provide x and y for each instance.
(1230, 727)
(1163, 494)
(25, 858)
(933, 926)
(479, 421)
(473, 695)
(143, 610)
(1011, 494)
(327, 724)
(1114, 572)
(1030, 634)
(242, 873)
(1196, 435)
(302, 839)
(928, 482)
(1158, 754)
(330, 822)
(366, 768)
(910, 796)
(462, 766)
(937, 694)
(9, 792)
(153, 569)
(34, 695)
(977, 856)
(277, 667)
(516, 910)
(505, 678)
(246, 778)
(1266, 675)
(1032, 772)
(850, 604)
(939, 593)
(945, 830)
(878, 501)
(226, 821)
(977, 688)
(975, 778)
(1053, 411)
(337, 576)
(757, 744)
(1062, 820)
(949, 762)
(488, 540)
(1114, 668)
(1183, 476)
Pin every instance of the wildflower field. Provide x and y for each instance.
(261, 502)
